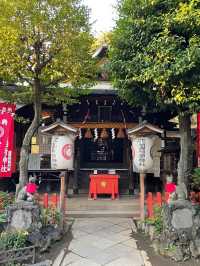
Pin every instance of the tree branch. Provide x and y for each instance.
(25, 79)
(55, 81)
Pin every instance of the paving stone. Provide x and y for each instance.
(103, 257)
(97, 241)
(123, 262)
(59, 258)
(118, 238)
(119, 250)
(84, 262)
(102, 241)
(114, 228)
(83, 249)
(70, 258)
(78, 233)
(130, 243)
(90, 228)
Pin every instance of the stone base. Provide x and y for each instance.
(24, 216)
(180, 237)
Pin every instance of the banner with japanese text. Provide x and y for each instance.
(7, 155)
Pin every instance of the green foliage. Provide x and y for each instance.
(13, 240)
(45, 40)
(156, 221)
(196, 178)
(156, 53)
(2, 218)
(5, 199)
(50, 216)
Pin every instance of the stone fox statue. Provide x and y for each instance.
(28, 191)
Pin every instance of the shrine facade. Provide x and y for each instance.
(100, 121)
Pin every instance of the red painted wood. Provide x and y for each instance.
(193, 197)
(159, 199)
(150, 205)
(46, 200)
(103, 184)
(54, 200)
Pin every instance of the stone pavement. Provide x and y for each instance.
(102, 241)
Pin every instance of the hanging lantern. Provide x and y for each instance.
(120, 134)
(104, 134)
(88, 134)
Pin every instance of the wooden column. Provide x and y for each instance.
(76, 167)
(62, 198)
(130, 169)
(142, 193)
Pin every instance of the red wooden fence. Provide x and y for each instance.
(158, 199)
(49, 201)
(152, 200)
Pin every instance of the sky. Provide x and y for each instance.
(102, 14)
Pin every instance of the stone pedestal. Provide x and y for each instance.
(180, 238)
(24, 216)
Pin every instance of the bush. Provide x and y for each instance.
(13, 239)
(157, 220)
(2, 218)
(5, 199)
(50, 216)
(196, 179)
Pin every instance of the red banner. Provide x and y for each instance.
(198, 139)
(7, 162)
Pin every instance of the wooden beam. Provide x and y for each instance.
(103, 125)
(142, 192)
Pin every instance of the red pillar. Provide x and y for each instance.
(46, 200)
(150, 204)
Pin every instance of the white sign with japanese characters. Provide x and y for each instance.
(142, 156)
(62, 152)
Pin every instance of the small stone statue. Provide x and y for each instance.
(181, 192)
(28, 191)
(170, 187)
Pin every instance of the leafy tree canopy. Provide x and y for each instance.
(156, 52)
(44, 40)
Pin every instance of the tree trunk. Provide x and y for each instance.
(23, 163)
(186, 155)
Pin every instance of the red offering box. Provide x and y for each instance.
(104, 184)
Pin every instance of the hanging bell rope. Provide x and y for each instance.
(88, 134)
(104, 134)
(120, 134)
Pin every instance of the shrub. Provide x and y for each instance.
(50, 216)
(5, 199)
(2, 218)
(196, 179)
(157, 220)
(13, 239)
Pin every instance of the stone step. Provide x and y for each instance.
(96, 213)
(81, 206)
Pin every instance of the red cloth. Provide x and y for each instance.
(170, 187)
(31, 188)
